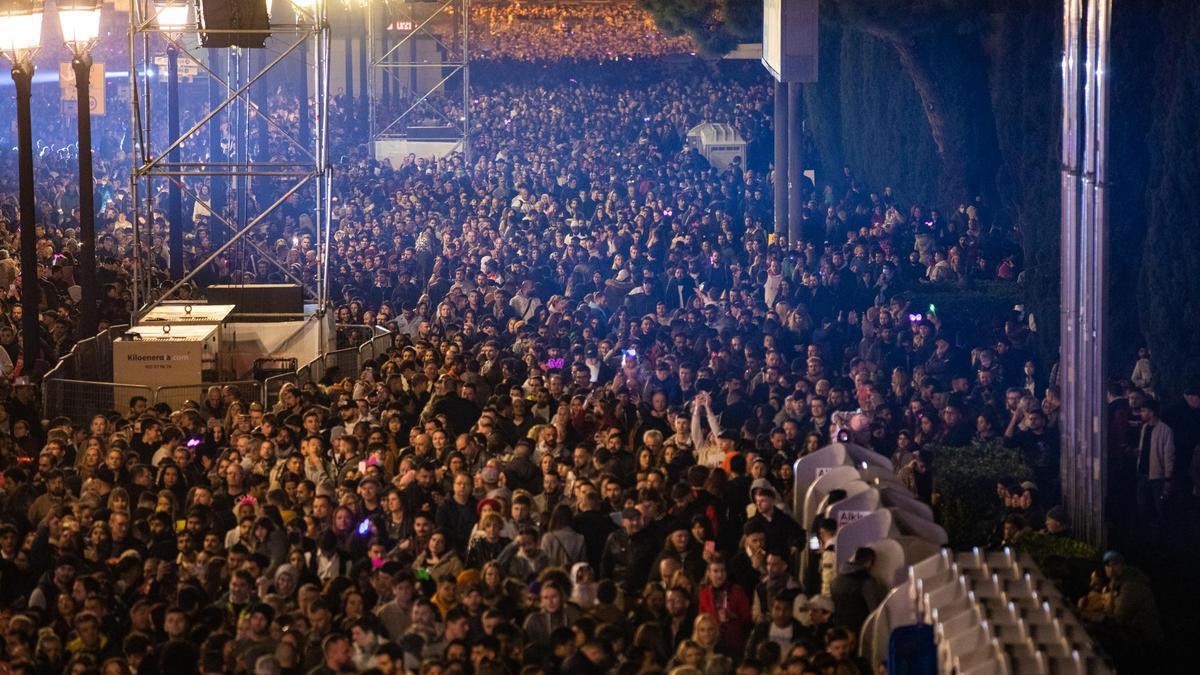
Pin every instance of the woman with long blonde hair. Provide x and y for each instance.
(706, 633)
(90, 458)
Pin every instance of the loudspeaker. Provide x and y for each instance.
(789, 46)
(258, 298)
(233, 15)
(426, 133)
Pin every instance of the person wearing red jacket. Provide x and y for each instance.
(729, 603)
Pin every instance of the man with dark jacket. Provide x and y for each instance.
(782, 531)
(735, 497)
(1132, 609)
(460, 412)
(628, 553)
(595, 525)
(457, 515)
(855, 592)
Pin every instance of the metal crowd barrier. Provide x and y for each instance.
(80, 400)
(175, 394)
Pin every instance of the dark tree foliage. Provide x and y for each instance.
(716, 25)
(1026, 97)
(1137, 33)
(1170, 270)
(872, 118)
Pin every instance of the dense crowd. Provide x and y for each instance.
(584, 31)
(577, 455)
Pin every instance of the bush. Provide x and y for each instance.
(1044, 547)
(1066, 561)
(964, 489)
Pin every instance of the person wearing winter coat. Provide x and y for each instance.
(1132, 607)
(628, 553)
(554, 612)
(561, 543)
(729, 603)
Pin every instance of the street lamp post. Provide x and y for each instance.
(80, 20)
(20, 34)
(172, 14)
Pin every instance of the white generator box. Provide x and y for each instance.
(168, 354)
(187, 313)
(720, 144)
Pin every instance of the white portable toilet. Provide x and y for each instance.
(719, 143)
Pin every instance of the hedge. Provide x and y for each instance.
(964, 489)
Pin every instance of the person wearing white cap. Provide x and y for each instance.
(820, 615)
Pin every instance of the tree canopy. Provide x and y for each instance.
(717, 26)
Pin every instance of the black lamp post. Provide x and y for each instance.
(20, 34)
(80, 20)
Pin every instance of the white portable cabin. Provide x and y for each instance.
(167, 354)
(719, 143)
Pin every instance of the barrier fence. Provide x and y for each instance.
(174, 395)
(80, 400)
(90, 359)
(81, 386)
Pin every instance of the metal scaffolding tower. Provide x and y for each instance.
(251, 174)
(418, 87)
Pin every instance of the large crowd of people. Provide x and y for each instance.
(576, 456)
(583, 31)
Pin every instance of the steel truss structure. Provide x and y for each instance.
(234, 147)
(419, 72)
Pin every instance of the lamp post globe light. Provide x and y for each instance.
(171, 16)
(80, 21)
(20, 35)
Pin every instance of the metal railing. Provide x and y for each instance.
(374, 343)
(80, 400)
(80, 384)
(90, 358)
(275, 384)
(174, 395)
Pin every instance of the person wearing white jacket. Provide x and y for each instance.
(711, 448)
(1155, 462)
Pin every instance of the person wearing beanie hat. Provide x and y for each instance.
(1132, 608)
(1057, 524)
